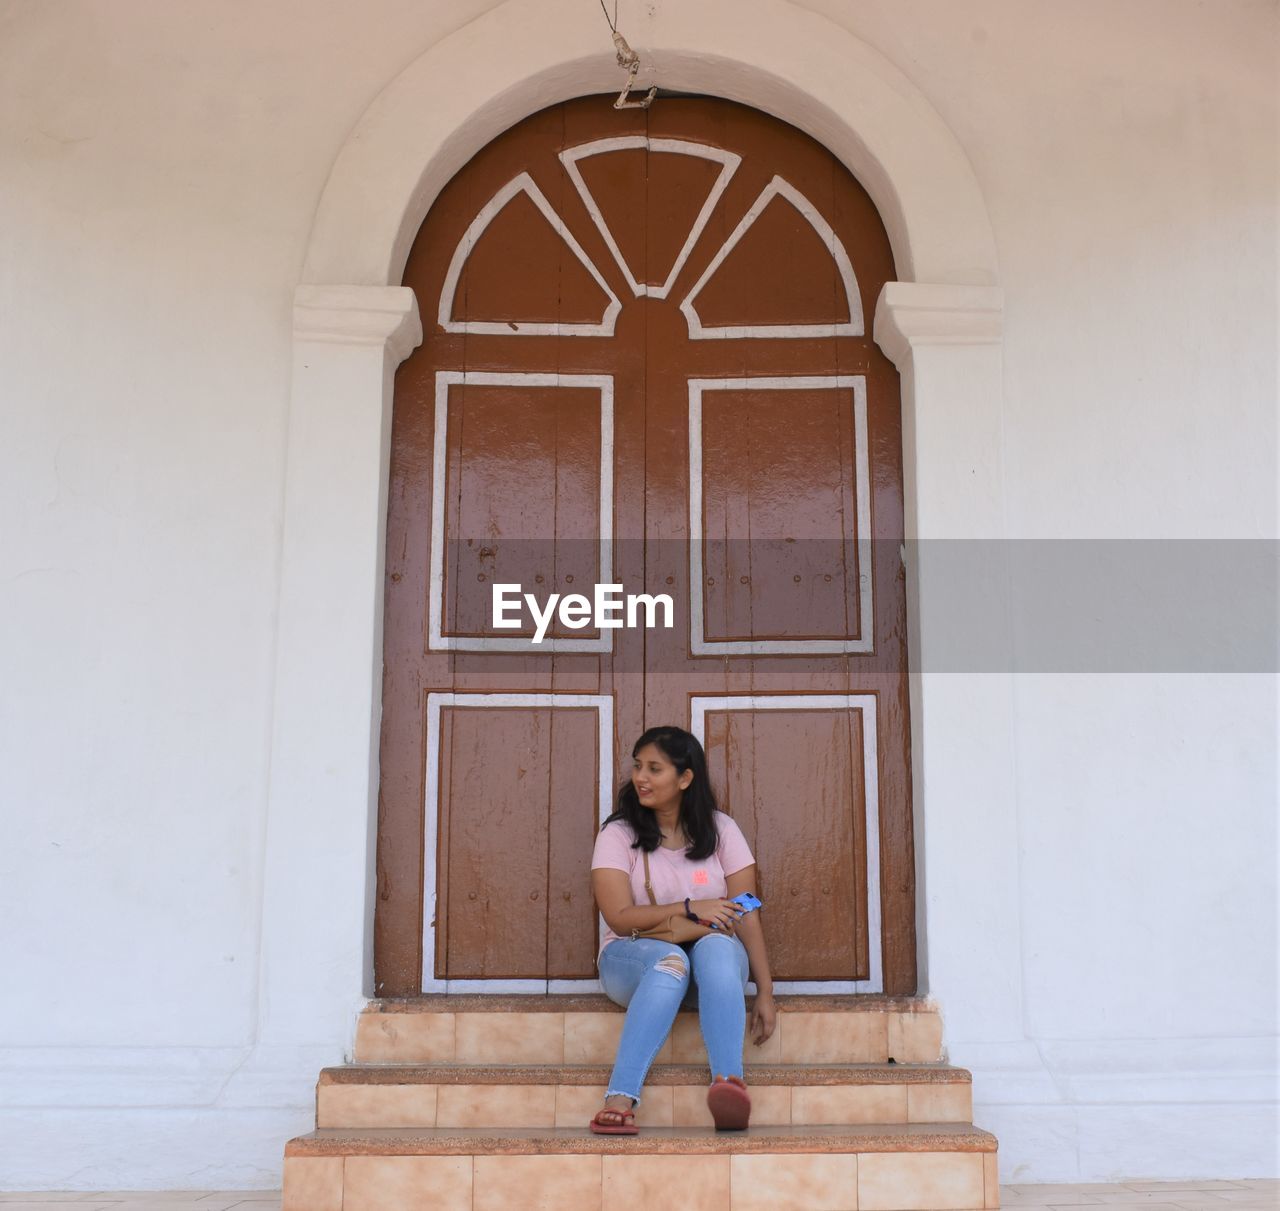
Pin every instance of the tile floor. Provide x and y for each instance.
(1242, 1195)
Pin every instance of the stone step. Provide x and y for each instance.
(870, 1167)
(567, 1095)
(474, 1029)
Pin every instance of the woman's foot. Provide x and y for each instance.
(616, 1117)
(729, 1103)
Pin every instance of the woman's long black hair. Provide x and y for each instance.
(697, 803)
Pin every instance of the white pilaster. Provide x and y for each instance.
(320, 879)
(945, 341)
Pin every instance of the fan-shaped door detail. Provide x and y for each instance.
(649, 161)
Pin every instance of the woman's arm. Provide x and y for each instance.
(612, 890)
(763, 1012)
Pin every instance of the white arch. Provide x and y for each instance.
(776, 56)
(940, 323)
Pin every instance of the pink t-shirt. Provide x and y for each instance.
(673, 874)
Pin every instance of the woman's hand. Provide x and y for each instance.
(724, 912)
(764, 1017)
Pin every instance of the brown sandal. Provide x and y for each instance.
(729, 1103)
(617, 1122)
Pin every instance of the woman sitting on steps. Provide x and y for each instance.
(666, 814)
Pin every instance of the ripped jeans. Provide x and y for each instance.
(651, 978)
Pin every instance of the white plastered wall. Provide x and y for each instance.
(188, 915)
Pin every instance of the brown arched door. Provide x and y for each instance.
(643, 327)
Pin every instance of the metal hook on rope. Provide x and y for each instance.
(631, 61)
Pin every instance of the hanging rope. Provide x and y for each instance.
(628, 59)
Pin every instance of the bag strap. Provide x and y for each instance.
(648, 886)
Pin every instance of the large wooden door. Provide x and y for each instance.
(647, 362)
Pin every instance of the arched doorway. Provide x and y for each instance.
(618, 307)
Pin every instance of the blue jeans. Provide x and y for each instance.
(652, 978)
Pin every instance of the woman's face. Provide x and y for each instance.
(657, 783)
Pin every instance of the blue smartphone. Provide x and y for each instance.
(747, 902)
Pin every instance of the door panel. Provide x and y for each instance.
(507, 776)
(491, 924)
(784, 505)
(525, 493)
(793, 779)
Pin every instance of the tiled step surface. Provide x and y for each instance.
(585, 1030)
(939, 1167)
(433, 1095)
(1245, 1194)
(482, 1103)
